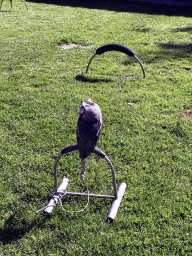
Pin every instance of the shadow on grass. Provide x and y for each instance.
(85, 78)
(177, 50)
(125, 6)
(184, 29)
(167, 51)
(15, 229)
(185, 47)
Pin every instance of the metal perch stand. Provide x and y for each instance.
(61, 190)
(120, 48)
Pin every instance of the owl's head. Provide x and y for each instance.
(86, 106)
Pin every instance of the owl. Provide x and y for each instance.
(89, 127)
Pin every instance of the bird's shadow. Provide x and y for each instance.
(15, 229)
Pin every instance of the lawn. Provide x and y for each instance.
(147, 129)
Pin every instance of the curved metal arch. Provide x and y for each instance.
(116, 47)
(98, 152)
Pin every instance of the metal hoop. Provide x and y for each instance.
(120, 48)
(98, 152)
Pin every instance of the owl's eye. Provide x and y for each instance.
(82, 110)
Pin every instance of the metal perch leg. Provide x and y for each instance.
(1, 4)
(25, 4)
(11, 4)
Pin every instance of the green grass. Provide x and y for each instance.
(148, 142)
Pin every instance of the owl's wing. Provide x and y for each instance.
(88, 136)
(97, 127)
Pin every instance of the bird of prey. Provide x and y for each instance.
(89, 128)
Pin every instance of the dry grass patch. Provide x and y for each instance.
(187, 113)
(70, 45)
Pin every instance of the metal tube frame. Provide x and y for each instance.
(120, 76)
(96, 151)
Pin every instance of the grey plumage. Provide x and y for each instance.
(89, 127)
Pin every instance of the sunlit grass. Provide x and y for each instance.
(148, 141)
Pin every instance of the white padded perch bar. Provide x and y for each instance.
(57, 196)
